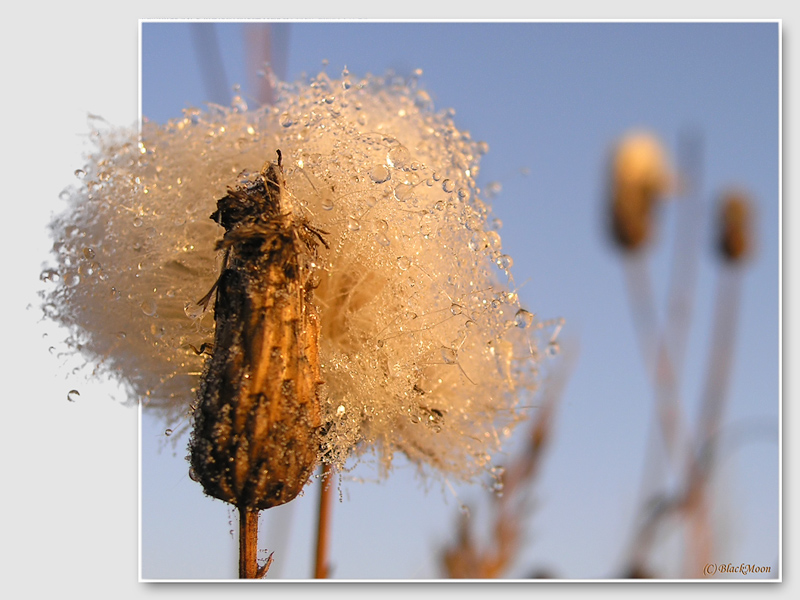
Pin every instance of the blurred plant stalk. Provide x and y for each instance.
(640, 179)
(511, 501)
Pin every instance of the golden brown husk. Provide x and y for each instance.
(255, 441)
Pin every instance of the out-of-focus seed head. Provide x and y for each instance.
(735, 226)
(638, 179)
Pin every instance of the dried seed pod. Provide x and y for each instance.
(734, 242)
(639, 177)
(255, 440)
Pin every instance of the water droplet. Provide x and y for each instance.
(504, 261)
(423, 100)
(353, 224)
(426, 225)
(523, 318)
(380, 174)
(193, 310)
(473, 221)
(448, 185)
(404, 192)
(88, 253)
(456, 309)
(403, 262)
(72, 395)
(149, 307)
(193, 475)
(464, 194)
(449, 356)
(494, 240)
(238, 104)
(326, 202)
(493, 189)
(398, 157)
(497, 485)
(137, 221)
(168, 432)
(478, 241)
(80, 173)
(89, 269)
(49, 276)
(340, 410)
(71, 279)
(285, 120)
(382, 239)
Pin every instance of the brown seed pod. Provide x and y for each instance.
(255, 440)
(734, 241)
(639, 177)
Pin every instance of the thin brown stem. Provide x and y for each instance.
(266, 49)
(659, 452)
(248, 544)
(657, 360)
(723, 343)
(323, 526)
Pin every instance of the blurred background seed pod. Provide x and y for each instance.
(639, 177)
(735, 218)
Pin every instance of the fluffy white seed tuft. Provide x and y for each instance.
(424, 346)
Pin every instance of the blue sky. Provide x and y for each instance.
(550, 99)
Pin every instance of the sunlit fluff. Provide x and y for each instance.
(424, 346)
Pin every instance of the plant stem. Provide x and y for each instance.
(248, 543)
(321, 562)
